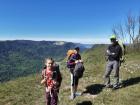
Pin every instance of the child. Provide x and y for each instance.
(52, 80)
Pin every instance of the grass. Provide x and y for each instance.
(28, 91)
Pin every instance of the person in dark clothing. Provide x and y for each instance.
(73, 59)
(77, 56)
(114, 53)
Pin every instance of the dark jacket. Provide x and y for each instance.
(72, 59)
(77, 56)
(116, 49)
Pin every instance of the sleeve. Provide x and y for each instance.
(71, 60)
(79, 57)
(43, 74)
(70, 63)
(108, 53)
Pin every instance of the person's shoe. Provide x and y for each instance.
(115, 87)
(72, 96)
(78, 94)
(108, 86)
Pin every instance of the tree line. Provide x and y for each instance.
(129, 31)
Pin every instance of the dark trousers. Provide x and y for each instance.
(74, 79)
(51, 99)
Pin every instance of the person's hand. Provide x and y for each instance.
(113, 53)
(48, 89)
(81, 61)
(55, 82)
(108, 52)
(76, 61)
(43, 81)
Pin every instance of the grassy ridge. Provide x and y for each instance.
(24, 57)
(27, 90)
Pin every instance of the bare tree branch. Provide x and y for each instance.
(130, 27)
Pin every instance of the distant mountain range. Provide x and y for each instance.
(23, 57)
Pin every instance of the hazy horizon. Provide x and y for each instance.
(82, 41)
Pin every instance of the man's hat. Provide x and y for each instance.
(113, 37)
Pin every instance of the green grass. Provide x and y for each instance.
(23, 91)
(28, 91)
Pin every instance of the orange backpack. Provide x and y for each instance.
(70, 52)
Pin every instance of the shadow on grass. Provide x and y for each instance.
(94, 89)
(85, 103)
(130, 81)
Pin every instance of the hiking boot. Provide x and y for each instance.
(78, 94)
(116, 87)
(72, 96)
(108, 86)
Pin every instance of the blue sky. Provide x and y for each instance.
(85, 21)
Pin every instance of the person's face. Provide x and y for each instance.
(113, 41)
(75, 51)
(49, 64)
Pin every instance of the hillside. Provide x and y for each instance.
(24, 57)
(28, 91)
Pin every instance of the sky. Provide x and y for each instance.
(84, 21)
